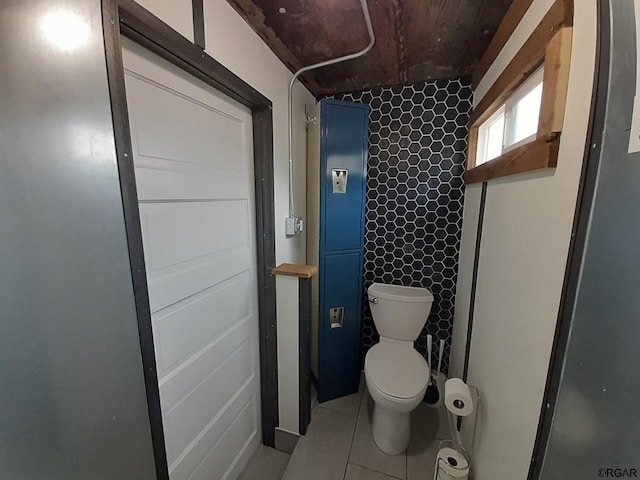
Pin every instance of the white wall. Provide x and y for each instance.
(231, 41)
(525, 241)
(288, 375)
(176, 13)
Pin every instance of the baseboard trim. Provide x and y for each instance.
(286, 441)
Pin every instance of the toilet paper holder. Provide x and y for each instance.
(453, 462)
(457, 466)
(455, 421)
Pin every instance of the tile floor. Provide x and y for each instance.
(266, 464)
(339, 446)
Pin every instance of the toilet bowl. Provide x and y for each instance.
(395, 373)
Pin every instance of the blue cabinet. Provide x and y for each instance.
(336, 186)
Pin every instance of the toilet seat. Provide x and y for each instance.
(397, 370)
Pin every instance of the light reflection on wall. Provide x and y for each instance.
(576, 423)
(65, 30)
(88, 142)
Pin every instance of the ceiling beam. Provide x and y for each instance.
(511, 20)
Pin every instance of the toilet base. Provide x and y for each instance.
(391, 430)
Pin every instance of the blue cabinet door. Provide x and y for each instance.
(344, 132)
(343, 149)
(340, 349)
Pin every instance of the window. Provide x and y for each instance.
(514, 124)
(491, 138)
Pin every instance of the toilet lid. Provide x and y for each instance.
(397, 370)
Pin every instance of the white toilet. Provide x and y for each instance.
(396, 374)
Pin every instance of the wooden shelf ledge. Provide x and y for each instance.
(294, 270)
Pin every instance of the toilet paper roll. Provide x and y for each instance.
(457, 397)
(452, 463)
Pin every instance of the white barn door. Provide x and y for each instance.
(193, 157)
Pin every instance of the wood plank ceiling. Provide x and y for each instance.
(415, 39)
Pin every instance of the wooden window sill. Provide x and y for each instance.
(540, 154)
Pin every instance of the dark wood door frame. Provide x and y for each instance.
(125, 17)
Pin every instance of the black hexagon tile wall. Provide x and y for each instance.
(417, 154)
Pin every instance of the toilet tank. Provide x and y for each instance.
(399, 312)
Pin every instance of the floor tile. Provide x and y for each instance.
(430, 422)
(364, 451)
(421, 457)
(348, 405)
(322, 453)
(356, 472)
(266, 464)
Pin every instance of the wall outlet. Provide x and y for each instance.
(293, 226)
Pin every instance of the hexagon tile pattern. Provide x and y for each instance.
(417, 154)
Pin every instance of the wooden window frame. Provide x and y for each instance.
(549, 45)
